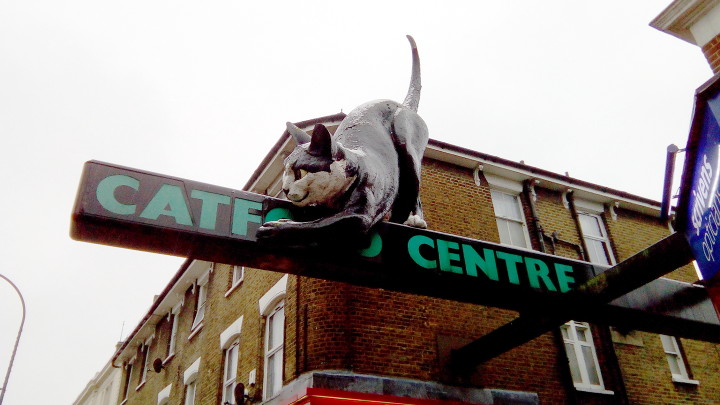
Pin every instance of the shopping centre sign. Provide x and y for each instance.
(130, 208)
(134, 209)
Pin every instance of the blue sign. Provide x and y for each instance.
(702, 173)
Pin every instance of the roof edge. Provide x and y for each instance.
(156, 303)
(540, 172)
(677, 18)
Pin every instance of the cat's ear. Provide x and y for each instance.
(321, 142)
(301, 137)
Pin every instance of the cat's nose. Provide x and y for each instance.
(296, 196)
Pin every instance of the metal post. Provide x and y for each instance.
(17, 340)
(713, 287)
(645, 266)
(672, 151)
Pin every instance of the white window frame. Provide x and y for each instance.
(674, 355)
(229, 341)
(595, 211)
(145, 351)
(571, 338)
(190, 377)
(238, 276)
(231, 357)
(190, 391)
(513, 189)
(128, 380)
(268, 305)
(272, 383)
(201, 303)
(163, 397)
(505, 220)
(172, 340)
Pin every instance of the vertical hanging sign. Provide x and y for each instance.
(699, 208)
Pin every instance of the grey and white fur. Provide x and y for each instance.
(369, 170)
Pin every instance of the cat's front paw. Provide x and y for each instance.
(416, 221)
(271, 229)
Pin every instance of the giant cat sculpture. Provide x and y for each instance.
(369, 170)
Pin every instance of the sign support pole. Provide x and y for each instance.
(713, 288)
(654, 262)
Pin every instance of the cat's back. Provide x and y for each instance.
(368, 125)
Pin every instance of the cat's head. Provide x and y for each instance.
(316, 172)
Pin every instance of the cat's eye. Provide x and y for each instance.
(300, 173)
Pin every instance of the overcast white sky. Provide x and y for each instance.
(201, 90)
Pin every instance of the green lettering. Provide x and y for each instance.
(511, 262)
(278, 213)
(208, 212)
(537, 270)
(445, 256)
(375, 246)
(242, 215)
(564, 276)
(473, 260)
(168, 200)
(414, 250)
(106, 193)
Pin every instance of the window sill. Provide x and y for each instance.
(233, 288)
(594, 390)
(688, 381)
(194, 331)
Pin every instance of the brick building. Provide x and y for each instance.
(299, 340)
(296, 340)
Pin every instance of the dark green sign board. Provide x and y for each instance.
(129, 208)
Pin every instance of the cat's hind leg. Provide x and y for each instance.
(416, 219)
(410, 137)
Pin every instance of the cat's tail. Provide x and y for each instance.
(412, 100)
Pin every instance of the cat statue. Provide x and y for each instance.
(369, 170)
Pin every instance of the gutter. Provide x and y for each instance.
(529, 190)
(540, 174)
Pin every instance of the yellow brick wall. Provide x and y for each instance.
(647, 374)
(633, 232)
(332, 325)
(220, 312)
